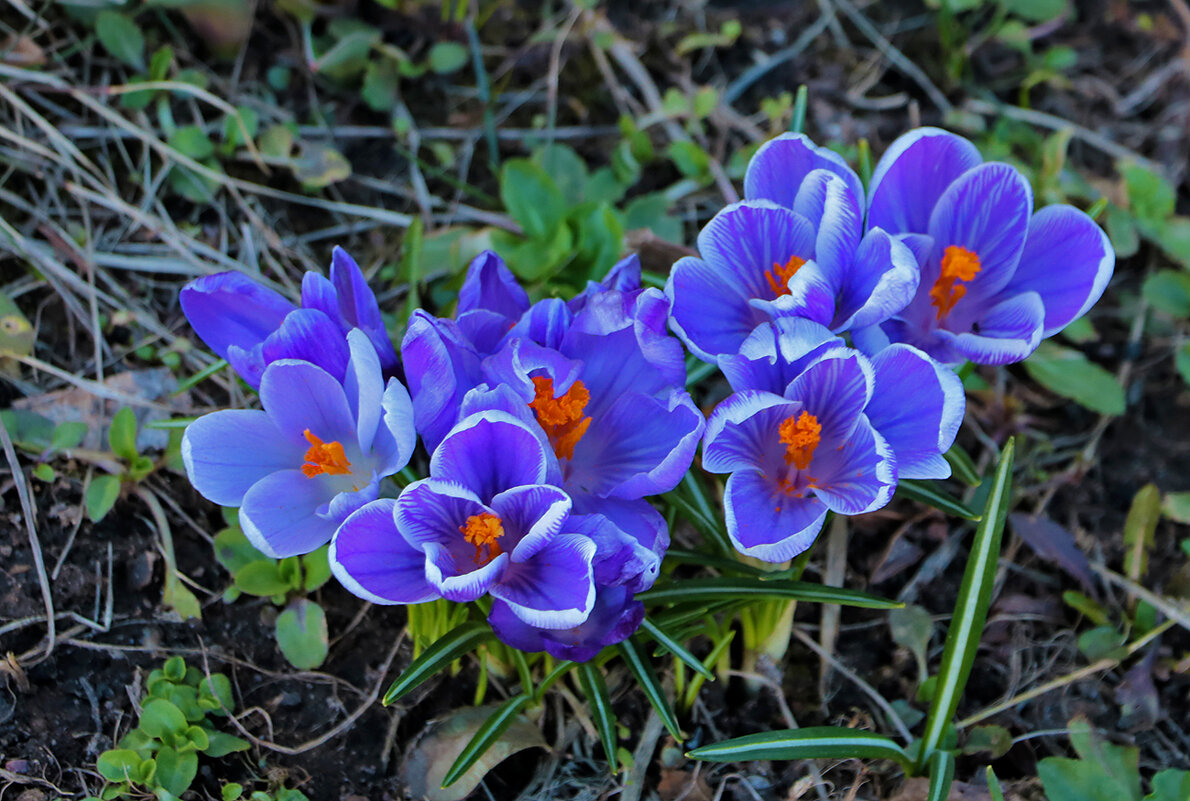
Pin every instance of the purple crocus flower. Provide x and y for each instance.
(251, 326)
(996, 278)
(615, 616)
(316, 453)
(484, 523)
(794, 456)
(795, 248)
(917, 404)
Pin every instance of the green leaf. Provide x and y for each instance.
(487, 736)
(222, 744)
(119, 764)
(320, 165)
(1176, 506)
(941, 776)
(316, 570)
(1068, 373)
(121, 37)
(664, 639)
(1121, 228)
(192, 141)
(176, 770)
(1168, 291)
(217, 688)
(963, 466)
(159, 718)
(994, 740)
(1102, 642)
(1150, 197)
(638, 663)
(234, 552)
(1174, 238)
(532, 198)
(460, 640)
(591, 678)
(971, 608)
(1139, 529)
(174, 669)
(812, 742)
(567, 170)
(447, 57)
(1104, 772)
(1170, 785)
(381, 83)
(261, 578)
(1182, 362)
(652, 212)
(68, 435)
(927, 492)
(44, 472)
(276, 142)
(718, 588)
(122, 434)
(302, 634)
(231, 791)
(691, 160)
(101, 496)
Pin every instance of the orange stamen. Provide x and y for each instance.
(800, 436)
(324, 457)
(562, 418)
(958, 264)
(483, 531)
(779, 276)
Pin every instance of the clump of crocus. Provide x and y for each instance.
(996, 278)
(316, 453)
(486, 522)
(252, 326)
(815, 426)
(795, 248)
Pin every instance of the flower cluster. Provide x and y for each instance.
(835, 313)
(941, 261)
(547, 424)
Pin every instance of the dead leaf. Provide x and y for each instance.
(1140, 707)
(78, 405)
(683, 784)
(22, 51)
(1054, 544)
(427, 763)
(919, 790)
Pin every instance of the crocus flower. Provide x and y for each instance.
(316, 453)
(996, 278)
(917, 404)
(796, 455)
(615, 616)
(484, 522)
(795, 248)
(251, 326)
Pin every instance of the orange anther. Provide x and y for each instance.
(800, 436)
(483, 530)
(562, 417)
(779, 276)
(324, 457)
(958, 264)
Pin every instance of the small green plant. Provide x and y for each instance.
(160, 755)
(568, 215)
(301, 627)
(1105, 772)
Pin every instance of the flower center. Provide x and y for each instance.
(562, 418)
(779, 276)
(958, 264)
(324, 457)
(483, 531)
(800, 436)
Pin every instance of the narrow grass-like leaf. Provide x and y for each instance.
(456, 642)
(726, 565)
(675, 648)
(813, 742)
(719, 588)
(941, 776)
(600, 702)
(638, 662)
(963, 466)
(675, 617)
(486, 736)
(560, 670)
(971, 609)
(925, 492)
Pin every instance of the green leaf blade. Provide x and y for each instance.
(486, 737)
(594, 687)
(638, 663)
(455, 643)
(971, 609)
(813, 742)
(719, 588)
